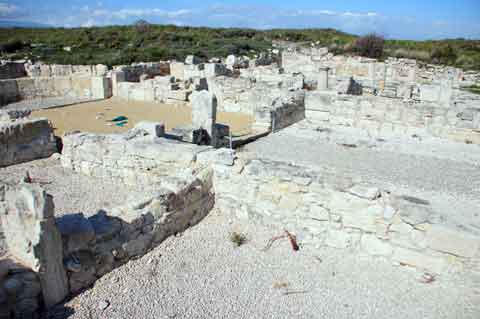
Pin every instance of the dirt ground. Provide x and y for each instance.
(95, 117)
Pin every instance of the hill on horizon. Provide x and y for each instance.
(114, 45)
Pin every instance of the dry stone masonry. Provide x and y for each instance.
(322, 208)
(25, 139)
(184, 173)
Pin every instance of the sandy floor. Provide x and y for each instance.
(93, 116)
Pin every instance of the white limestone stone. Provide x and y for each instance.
(375, 246)
(453, 241)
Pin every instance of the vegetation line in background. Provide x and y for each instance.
(143, 42)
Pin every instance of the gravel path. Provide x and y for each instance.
(200, 274)
(72, 192)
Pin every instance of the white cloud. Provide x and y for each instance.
(89, 23)
(8, 10)
(124, 14)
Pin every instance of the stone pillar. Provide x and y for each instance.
(322, 79)
(100, 87)
(117, 77)
(32, 237)
(204, 113)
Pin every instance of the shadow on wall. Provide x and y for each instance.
(66, 255)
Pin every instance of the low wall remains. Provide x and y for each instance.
(386, 116)
(64, 255)
(321, 208)
(133, 72)
(134, 160)
(68, 254)
(25, 140)
(40, 70)
(14, 90)
(12, 70)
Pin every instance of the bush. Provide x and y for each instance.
(444, 55)
(11, 46)
(142, 26)
(370, 46)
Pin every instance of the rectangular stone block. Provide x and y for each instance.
(452, 241)
(419, 260)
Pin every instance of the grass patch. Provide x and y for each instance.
(237, 239)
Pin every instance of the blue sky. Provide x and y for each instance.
(406, 19)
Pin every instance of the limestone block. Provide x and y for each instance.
(82, 86)
(177, 69)
(322, 80)
(215, 69)
(222, 156)
(204, 111)
(341, 202)
(420, 260)
(151, 128)
(25, 140)
(100, 87)
(364, 219)
(192, 60)
(374, 246)
(289, 202)
(453, 241)
(33, 238)
(139, 246)
(117, 77)
(178, 95)
(413, 211)
(320, 101)
(430, 93)
(8, 92)
(361, 191)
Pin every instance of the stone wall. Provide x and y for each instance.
(64, 70)
(161, 89)
(20, 291)
(12, 70)
(279, 110)
(15, 90)
(63, 256)
(133, 72)
(386, 116)
(25, 140)
(321, 208)
(134, 160)
(402, 78)
(254, 89)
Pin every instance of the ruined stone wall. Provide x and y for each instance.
(161, 89)
(68, 254)
(84, 86)
(25, 140)
(321, 208)
(63, 70)
(393, 78)
(12, 70)
(151, 69)
(20, 291)
(253, 90)
(386, 116)
(133, 160)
